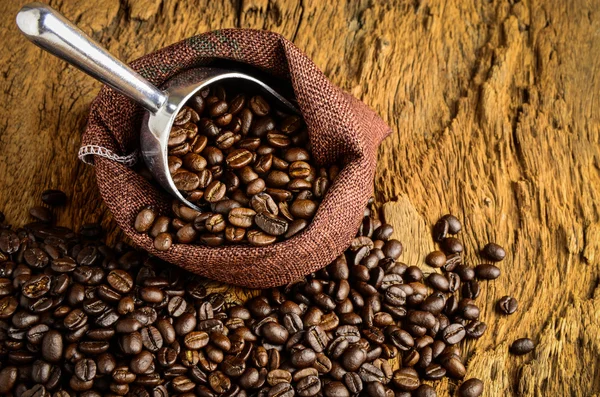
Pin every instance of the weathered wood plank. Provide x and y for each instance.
(496, 118)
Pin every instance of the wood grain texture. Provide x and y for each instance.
(495, 112)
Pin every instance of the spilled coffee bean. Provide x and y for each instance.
(79, 317)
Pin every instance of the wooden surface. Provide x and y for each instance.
(495, 112)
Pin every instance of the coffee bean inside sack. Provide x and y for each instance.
(246, 164)
(78, 317)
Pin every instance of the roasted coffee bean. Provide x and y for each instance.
(401, 339)
(453, 365)
(434, 372)
(163, 241)
(471, 289)
(436, 259)
(375, 389)
(196, 340)
(335, 389)
(141, 362)
(144, 220)
(522, 346)
(105, 363)
(264, 163)
(100, 334)
(36, 286)
(122, 375)
(392, 249)
(421, 318)
(453, 334)
(262, 125)
(152, 294)
(255, 187)
(40, 371)
(353, 358)
(277, 376)
(120, 280)
(470, 388)
(215, 223)
(238, 158)
(451, 245)
(107, 319)
(277, 179)
(280, 195)
(215, 191)
(271, 224)
(275, 333)
(263, 202)
(406, 379)
(85, 369)
(63, 265)
(52, 346)
(259, 238)
(439, 282)
(467, 311)
(475, 329)
(395, 295)
(36, 257)
(370, 373)
(284, 211)
(507, 305)
(128, 325)
(493, 252)
(36, 333)
(302, 358)
(425, 391)
(8, 378)
(453, 282)
(174, 162)
(176, 306)
(152, 339)
(54, 198)
(223, 207)
(487, 272)
(308, 386)
(454, 225)
(440, 230)
(242, 217)
(213, 155)
(41, 214)
(259, 106)
(185, 180)
(185, 324)
(131, 343)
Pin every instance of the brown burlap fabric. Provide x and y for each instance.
(341, 128)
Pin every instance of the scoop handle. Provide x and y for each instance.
(51, 31)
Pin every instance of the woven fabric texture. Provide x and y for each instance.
(342, 130)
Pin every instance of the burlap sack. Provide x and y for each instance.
(341, 128)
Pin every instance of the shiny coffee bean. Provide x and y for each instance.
(522, 346)
(507, 305)
(493, 252)
(470, 388)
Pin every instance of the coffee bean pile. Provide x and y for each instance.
(80, 318)
(247, 165)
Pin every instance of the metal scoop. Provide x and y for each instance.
(51, 31)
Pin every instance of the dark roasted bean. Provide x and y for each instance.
(507, 305)
(522, 346)
(436, 259)
(493, 252)
(406, 379)
(470, 388)
(487, 272)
